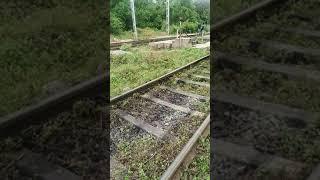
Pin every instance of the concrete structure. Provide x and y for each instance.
(161, 44)
(118, 52)
(182, 42)
(203, 46)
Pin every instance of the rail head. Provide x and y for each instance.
(173, 169)
(247, 13)
(15, 121)
(155, 81)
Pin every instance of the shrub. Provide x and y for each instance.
(189, 27)
(117, 25)
(186, 27)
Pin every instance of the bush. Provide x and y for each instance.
(117, 25)
(152, 14)
(189, 27)
(186, 27)
(126, 47)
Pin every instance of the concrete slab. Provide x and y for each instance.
(193, 82)
(192, 95)
(35, 165)
(172, 106)
(268, 163)
(201, 77)
(141, 124)
(161, 44)
(229, 61)
(203, 46)
(182, 43)
(168, 104)
(118, 52)
(292, 114)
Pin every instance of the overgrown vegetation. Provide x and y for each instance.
(43, 41)
(224, 8)
(199, 167)
(143, 64)
(299, 144)
(152, 14)
(155, 156)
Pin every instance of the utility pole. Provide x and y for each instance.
(180, 33)
(134, 19)
(168, 16)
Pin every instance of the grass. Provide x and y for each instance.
(44, 44)
(143, 33)
(265, 29)
(144, 64)
(200, 166)
(154, 156)
(299, 145)
(191, 88)
(225, 8)
(221, 9)
(272, 87)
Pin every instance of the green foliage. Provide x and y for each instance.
(117, 25)
(121, 10)
(186, 27)
(126, 47)
(143, 64)
(189, 27)
(202, 8)
(184, 14)
(150, 14)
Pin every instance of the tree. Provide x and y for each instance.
(152, 13)
(202, 8)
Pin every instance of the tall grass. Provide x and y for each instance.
(143, 33)
(224, 8)
(144, 64)
(63, 42)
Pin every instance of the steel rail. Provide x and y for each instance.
(243, 15)
(62, 101)
(52, 105)
(173, 171)
(248, 14)
(155, 81)
(117, 45)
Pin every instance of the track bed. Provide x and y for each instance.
(266, 96)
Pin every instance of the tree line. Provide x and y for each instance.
(152, 14)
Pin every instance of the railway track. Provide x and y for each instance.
(266, 93)
(62, 137)
(66, 135)
(246, 131)
(154, 126)
(117, 45)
